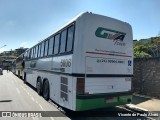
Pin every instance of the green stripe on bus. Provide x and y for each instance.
(95, 103)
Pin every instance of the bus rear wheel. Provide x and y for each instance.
(39, 86)
(46, 90)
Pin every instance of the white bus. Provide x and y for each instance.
(87, 64)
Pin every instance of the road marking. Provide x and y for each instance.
(52, 118)
(41, 107)
(18, 91)
(36, 101)
(22, 87)
(120, 107)
(30, 95)
(34, 118)
(32, 98)
(15, 80)
(27, 92)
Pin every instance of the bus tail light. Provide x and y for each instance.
(86, 93)
(80, 85)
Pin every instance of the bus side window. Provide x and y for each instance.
(70, 37)
(25, 55)
(56, 44)
(51, 44)
(39, 50)
(63, 41)
(28, 54)
(32, 53)
(42, 49)
(36, 53)
(32, 56)
(46, 48)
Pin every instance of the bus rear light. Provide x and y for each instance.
(80, 85)
(86, 92)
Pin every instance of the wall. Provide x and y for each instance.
(146, 78)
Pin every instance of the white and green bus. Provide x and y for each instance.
(87, 64)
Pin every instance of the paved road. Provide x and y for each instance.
(17, 96)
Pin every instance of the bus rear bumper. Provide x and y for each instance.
(96, 101)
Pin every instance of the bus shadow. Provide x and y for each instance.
(86, 115)
(29, 85)
(1, 101)
(94, 114)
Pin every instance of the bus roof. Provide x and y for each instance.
(71, 21)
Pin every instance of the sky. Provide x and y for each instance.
(25, 22)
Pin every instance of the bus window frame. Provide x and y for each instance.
(46, 53)
(64, 30)
(58, 44)
(53, 48)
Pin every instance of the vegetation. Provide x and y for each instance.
(145, 48)
(8, 55)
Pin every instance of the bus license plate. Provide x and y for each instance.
(110, 100)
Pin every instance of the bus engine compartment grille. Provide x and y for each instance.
(64, 88)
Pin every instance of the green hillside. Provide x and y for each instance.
(147, 47)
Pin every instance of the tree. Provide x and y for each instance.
(141, 54)
(147, 47)
(141, 50)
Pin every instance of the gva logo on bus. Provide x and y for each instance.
(116, 36)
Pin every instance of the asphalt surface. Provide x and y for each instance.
(15, 96)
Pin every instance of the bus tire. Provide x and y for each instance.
(39, 86)
(46, 90)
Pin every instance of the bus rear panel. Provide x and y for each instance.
(106, 60)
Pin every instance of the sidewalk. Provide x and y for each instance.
(144, 103)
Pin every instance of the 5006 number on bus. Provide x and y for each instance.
(66, 63)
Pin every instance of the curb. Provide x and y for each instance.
(135, 108)
(144, 96)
